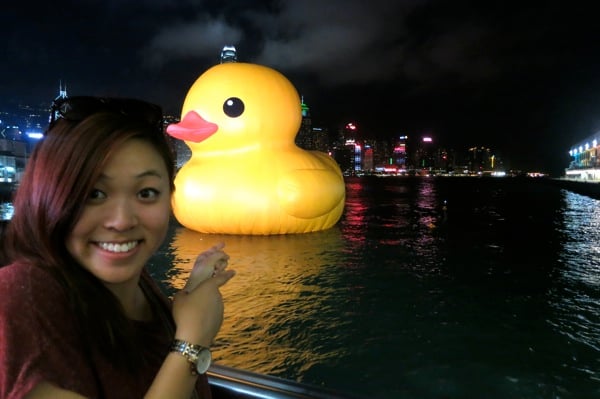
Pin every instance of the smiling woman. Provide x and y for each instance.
(80, 315)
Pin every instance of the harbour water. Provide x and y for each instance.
(426, 288)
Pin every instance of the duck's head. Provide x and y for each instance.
(239, 106)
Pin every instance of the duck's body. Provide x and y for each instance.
(245, 174)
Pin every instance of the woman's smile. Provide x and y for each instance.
(118, 247)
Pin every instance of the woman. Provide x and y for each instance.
(79, 315)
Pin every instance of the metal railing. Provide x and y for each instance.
(232, 383)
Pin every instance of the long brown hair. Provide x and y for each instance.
(58, 178)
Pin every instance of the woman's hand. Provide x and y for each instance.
(208, 263)
(198, 307)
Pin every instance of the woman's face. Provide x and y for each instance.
(125, 217)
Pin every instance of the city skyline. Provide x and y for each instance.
(27, 122)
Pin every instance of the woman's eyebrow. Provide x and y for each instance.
(146, 173)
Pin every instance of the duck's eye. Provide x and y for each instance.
(233, 107)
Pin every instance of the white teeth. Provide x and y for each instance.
(112, 247)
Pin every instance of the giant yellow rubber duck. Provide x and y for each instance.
(245, 174)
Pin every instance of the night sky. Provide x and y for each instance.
(522, 78)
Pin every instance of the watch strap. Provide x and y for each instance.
(189, 351)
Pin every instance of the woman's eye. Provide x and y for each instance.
(96, 195)
(148, 193)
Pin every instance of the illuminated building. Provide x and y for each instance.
(584, 163)
(321, 139)
(20, 130)
(355, 152)
(424, 158)
(353, 147)
(304, 138)
(479, 159)
(400, 158)
(62, 93)
(228, 54)
(347, 151)
(367, 160)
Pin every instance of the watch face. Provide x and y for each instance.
(203, 362)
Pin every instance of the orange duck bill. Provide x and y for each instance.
(192, 128)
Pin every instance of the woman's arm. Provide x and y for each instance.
(198, 315)
(46, 390)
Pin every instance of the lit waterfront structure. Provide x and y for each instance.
(13, 156)
(584, 163)
(347, 150)
(480, 159)
(400, 155)
(321, 139)
(424, 158)
(355, 150)
(20, 130)
(310, 137)
(376, 155)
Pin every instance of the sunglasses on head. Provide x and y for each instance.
(78, 108)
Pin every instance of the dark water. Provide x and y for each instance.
(427, 288)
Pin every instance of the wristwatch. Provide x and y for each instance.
(198, 356)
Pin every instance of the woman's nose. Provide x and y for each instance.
(121, 216)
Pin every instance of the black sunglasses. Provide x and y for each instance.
(78, 108)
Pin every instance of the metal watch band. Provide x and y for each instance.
(189, 351)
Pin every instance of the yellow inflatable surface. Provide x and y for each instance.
(246, 175)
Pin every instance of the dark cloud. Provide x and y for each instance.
(202, 37)
(507, 74)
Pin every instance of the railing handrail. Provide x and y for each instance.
(242, 384)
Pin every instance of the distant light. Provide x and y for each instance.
(587, 146)
(594, 142)
(536, 174)
(351, 126)
(35, 135)
(427, 139)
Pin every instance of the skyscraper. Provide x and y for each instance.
(304, 137)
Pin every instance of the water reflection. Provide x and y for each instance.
(279, 299)
(575, 297)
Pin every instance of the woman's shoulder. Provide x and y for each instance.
(22, 283)
(19, 273)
